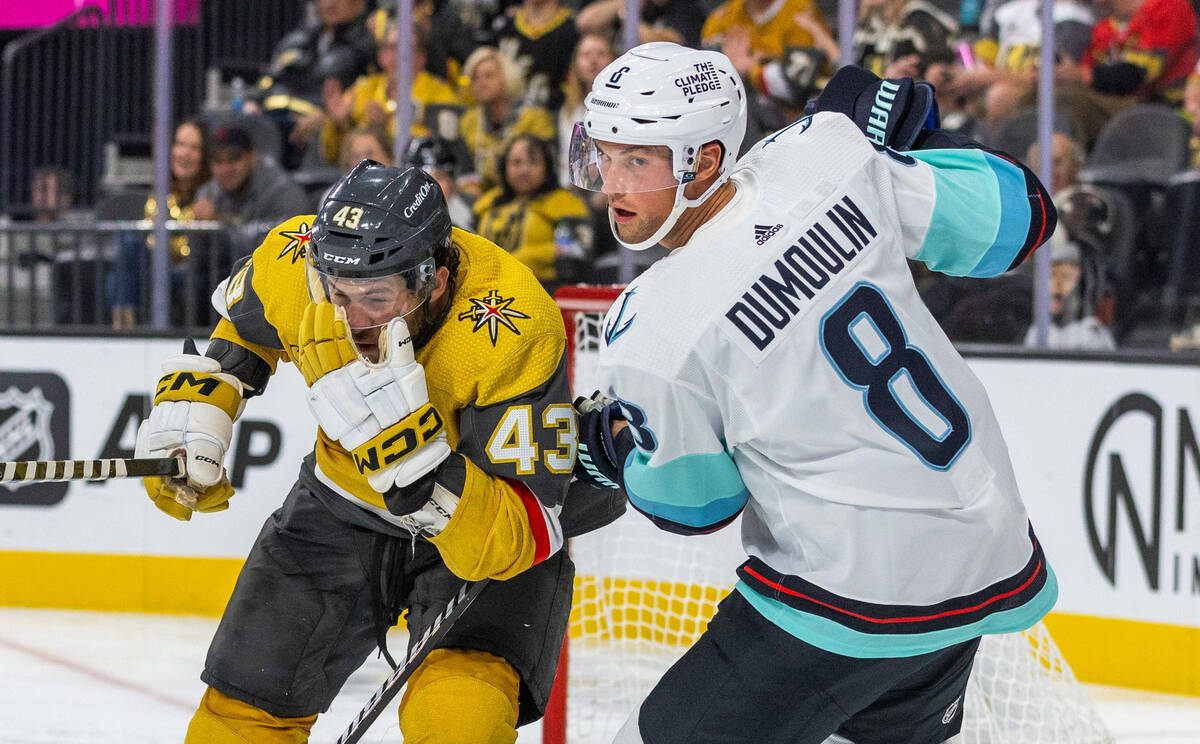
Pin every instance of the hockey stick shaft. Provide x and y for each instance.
(417, 652)
(64, 470)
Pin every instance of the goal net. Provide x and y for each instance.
(643, 596)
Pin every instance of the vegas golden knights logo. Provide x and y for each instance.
(494, 312)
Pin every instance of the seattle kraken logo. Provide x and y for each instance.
(615, 329)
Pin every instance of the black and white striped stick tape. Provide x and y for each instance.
(64, 470)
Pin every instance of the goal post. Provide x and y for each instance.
(643, 596)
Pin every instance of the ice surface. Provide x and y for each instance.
(99, 678)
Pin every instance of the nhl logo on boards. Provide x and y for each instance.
(763, 233)
(34, 412)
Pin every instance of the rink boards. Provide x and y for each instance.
(1106, 451)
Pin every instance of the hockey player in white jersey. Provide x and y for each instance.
(779, 364)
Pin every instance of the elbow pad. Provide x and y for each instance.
(245, 365)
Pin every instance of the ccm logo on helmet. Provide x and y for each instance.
(704, 79)
(340, 259)
(408, 211)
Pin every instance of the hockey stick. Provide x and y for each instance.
(416, 654)
(63, 470)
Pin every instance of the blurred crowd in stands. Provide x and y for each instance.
(497, 85)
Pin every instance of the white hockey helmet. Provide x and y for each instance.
(661, 94)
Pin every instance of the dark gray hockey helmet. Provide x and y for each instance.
(379, 221)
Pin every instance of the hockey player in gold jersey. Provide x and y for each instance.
(436, 371)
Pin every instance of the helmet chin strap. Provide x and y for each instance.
(681, 203)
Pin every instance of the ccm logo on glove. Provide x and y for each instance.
(186, 386)
(392, 445)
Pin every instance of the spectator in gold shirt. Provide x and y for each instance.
(497, 115)
(521, 214)
(372, 98)
(771, 24)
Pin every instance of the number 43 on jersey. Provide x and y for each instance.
(513, 440)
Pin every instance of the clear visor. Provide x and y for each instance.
(373, 303)
(615, 168)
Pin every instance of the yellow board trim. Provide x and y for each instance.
(1125, 653)
(1129, 653)
(117, 583)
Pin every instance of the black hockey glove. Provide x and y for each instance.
(401, 500)
(890, 112)
(601, 457)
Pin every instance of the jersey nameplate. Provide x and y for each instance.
(813, 259)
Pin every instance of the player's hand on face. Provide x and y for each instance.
(381, 412)
(194, 408)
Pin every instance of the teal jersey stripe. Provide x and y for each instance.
(835, 638)
(967, 213)
(1014, 218)
(693, 490)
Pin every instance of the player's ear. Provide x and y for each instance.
(441, 278)
(711, 156)
(707, 168)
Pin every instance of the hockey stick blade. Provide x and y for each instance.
(416, 654)
(65, 470)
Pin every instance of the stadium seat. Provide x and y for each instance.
(123, 205)
(1181, 294)
(316, 181)
(1141, 146)
(1021, 131)
(128, 164)
(1103, 221)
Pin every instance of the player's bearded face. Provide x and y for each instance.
(370, 304)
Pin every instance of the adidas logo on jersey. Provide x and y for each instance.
(763, 233)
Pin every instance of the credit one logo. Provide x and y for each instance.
(1128, 463)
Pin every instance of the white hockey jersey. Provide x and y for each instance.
(782, 365)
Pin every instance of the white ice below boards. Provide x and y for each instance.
(95, 678)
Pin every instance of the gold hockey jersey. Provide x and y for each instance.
(495, 370)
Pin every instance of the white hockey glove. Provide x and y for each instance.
(195, 404)
(380, 413)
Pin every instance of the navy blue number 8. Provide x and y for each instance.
(876, 373)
